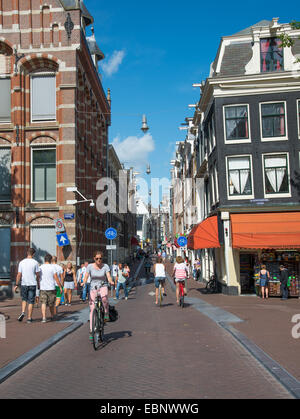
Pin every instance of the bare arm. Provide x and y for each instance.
(18, 279)
(109, 278)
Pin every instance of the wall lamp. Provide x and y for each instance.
(74, 201)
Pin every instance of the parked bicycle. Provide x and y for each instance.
(212, 285)
(98, 323)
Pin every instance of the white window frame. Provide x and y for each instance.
(5, 76)
(266, 139)
(239, 197)
(241, 141)
(277, 195)
(40, 74)
(46, 147)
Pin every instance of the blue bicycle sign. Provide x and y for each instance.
(111, 233)
(182, 241)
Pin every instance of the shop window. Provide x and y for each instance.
(5, 174)
(239, 176)
(43, 97)
(44, 175)
(236, 123)
(271, 55)
(5, 102)
(273, 121)
(5, 252)
(276, 174)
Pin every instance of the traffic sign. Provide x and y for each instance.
(59, 225)
(69, 216)
(62, 239)
(111, 233)
(182, 241)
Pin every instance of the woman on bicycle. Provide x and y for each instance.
(159, 276)
(100, 277)
(180, 273)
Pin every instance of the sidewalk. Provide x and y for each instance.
(267, 323)
(22, 337)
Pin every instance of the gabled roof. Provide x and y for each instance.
(76, 4)
(248, 30)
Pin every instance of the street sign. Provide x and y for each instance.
(111, 247)
(111, 233)
(70, 216)
(63, 239)
(182, 241)
(59, 225)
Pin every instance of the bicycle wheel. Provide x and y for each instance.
(96, 330)
(181, 293)
(160, 295)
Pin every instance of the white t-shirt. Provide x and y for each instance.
(83, 274)
(114, 270)
(47, 282)
(59, 270)
(28, 268)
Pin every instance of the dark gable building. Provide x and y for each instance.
(248, 130)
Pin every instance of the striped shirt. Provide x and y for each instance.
(180, 270)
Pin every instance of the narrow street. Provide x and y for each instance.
(150, 352)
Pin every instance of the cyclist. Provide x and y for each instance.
(180, 273)
(160, 275)
(100, 276)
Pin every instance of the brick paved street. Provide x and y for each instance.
(150, 352)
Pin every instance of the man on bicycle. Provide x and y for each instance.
(100, 276)
(180, 274)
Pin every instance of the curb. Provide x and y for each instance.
(29, 356)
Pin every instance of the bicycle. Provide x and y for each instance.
(160, 293)
(98, 323)
(181, 293)
(212, 285)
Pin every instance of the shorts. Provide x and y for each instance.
(28, 293)
(159, 279)
(69, 285)
(48, 297)
(58, 292)
(180, 280)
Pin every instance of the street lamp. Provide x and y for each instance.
(74, 201)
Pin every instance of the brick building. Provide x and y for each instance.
(54, 119)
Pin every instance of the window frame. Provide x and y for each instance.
(276, 194)
(38, 148)
(266, 139)
(42, 74)
(7, 77)
(239, 197)
(238, 141)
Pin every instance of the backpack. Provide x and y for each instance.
(113, 314)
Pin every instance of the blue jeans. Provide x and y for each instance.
(123, 285)
(86, 291)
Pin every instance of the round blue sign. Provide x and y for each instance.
(111, 233)
(182, 241)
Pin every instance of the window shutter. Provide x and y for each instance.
(43, 98)
(5, 101)
(5, 174)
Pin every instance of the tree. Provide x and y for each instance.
(287, 40)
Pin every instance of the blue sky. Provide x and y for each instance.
(154, 52)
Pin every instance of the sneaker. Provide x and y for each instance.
(29, 321)
(44, 321)
(164, 294)
(126, 298)
(21, 317)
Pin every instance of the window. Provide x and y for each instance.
(5, 252)
(43, 98)
(239, 176)
(298, 103)
(5, 102)
(44, 175)
(43, 240)
(273, 120)
(276, 174)
(5, 174)
(236, 123)
(271, 55)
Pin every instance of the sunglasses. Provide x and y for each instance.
(98, 258)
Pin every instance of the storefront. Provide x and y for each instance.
(271, 239)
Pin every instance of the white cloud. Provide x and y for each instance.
(134, 151)
(112, 65)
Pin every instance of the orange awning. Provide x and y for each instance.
(204, 235)
(266, 230)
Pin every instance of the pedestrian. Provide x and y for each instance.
(114, 274)
(122, 278)
(49, 281)
(28, 275)
(100, 277)
(70, 283)
(79, 279)
(87, 285)
(62, 300)
(59, 291)
(147, 266)
(180, 273)
(159, 276)
(164, 255)
(264, 277)
(284, 277)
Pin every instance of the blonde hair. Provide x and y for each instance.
(179, 259)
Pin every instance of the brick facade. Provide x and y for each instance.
(34, 39)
